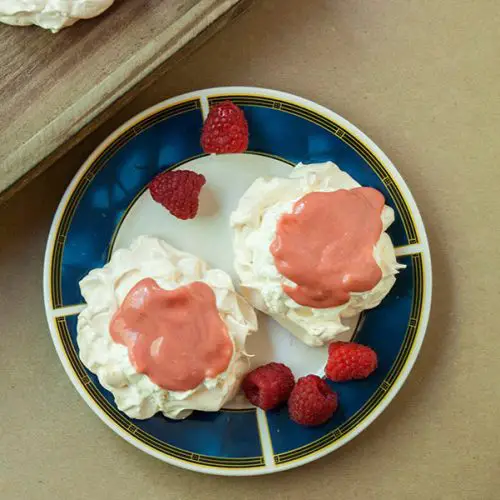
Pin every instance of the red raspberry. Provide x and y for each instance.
(312, 402)
(348, 361)
(269, 385)
(225, 130)
(178, 192)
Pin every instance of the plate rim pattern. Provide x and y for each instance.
(417, 248)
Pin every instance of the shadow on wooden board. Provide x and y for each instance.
(120, 96)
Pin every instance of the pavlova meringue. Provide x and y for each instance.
(105, 290)
(50, 14)
(254, 225)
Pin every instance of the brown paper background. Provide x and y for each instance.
(421, 78)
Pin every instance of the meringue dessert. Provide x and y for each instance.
(163, 332)
(50, 14)
(311, 249)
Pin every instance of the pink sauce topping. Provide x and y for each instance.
(325, 246)
(175, 337)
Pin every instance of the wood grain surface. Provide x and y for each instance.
(53, 86)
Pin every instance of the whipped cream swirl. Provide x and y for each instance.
(105, 289)
(254, 227)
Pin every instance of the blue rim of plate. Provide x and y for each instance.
(285, 127)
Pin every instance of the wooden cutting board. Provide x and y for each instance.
(56, 87)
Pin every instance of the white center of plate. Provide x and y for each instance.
(209, 237)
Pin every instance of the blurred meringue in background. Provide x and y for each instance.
(50, 14)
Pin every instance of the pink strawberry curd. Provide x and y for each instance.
(175, 337)
(325, 246)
